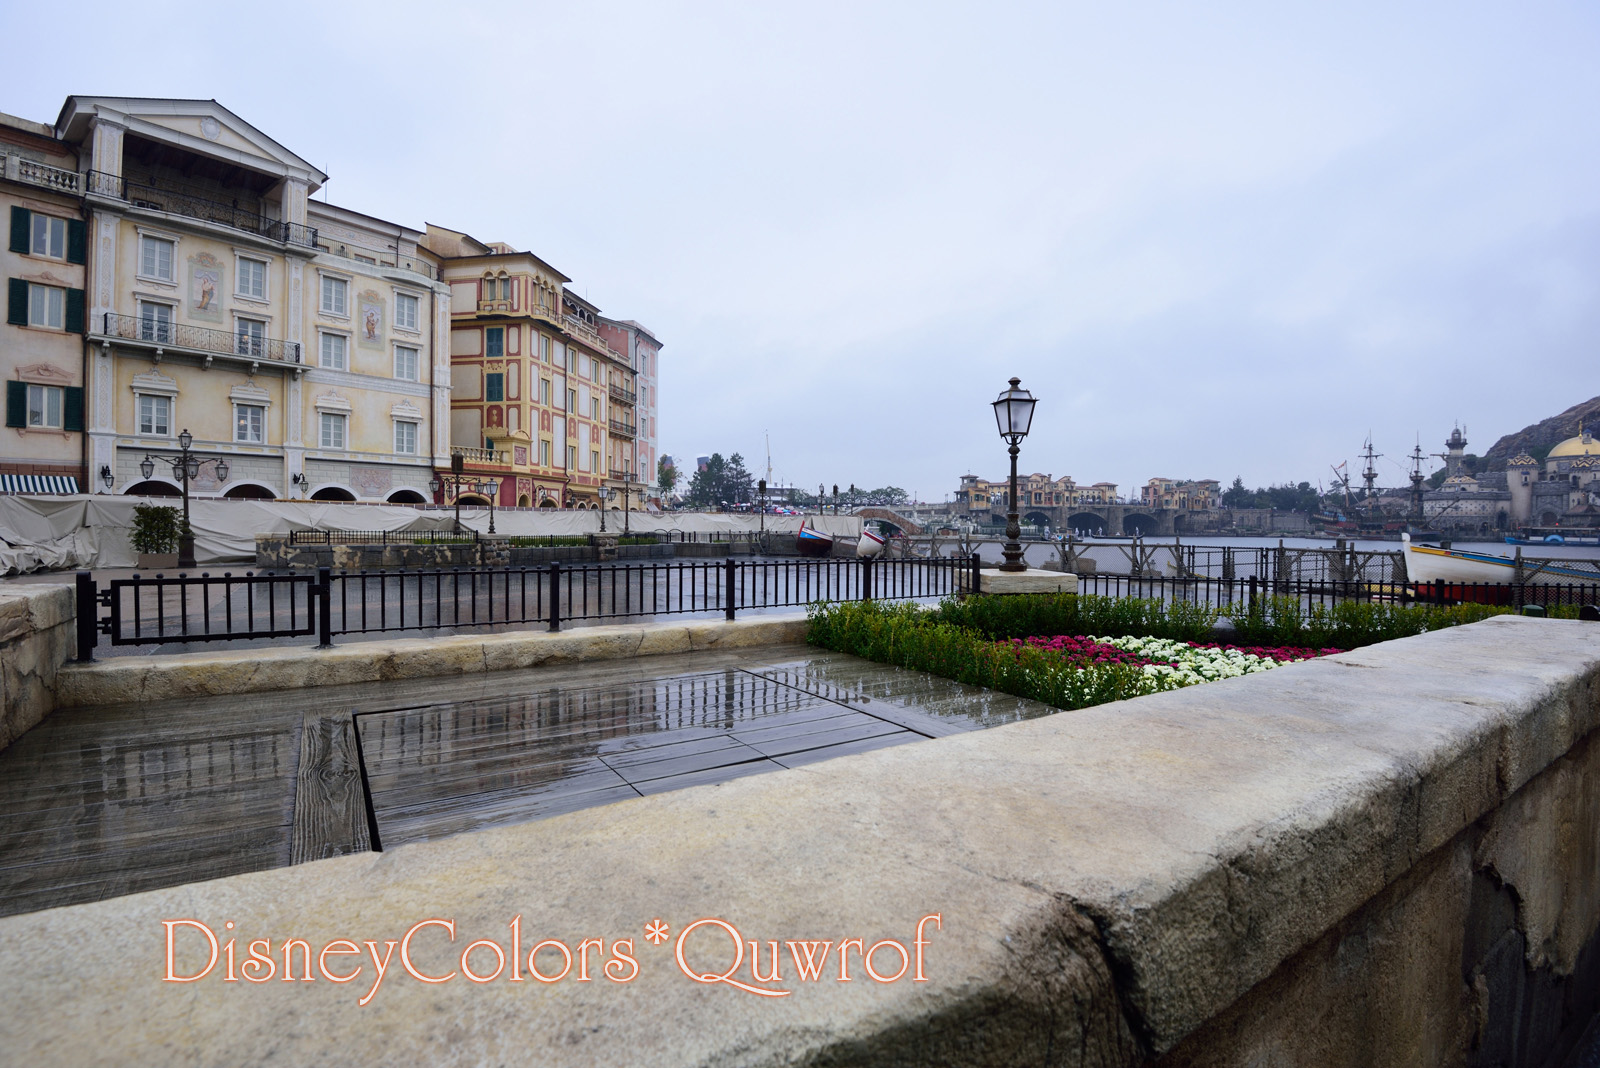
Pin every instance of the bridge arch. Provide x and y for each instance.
(1088, 522)
(1037, 518)
(1140, 524)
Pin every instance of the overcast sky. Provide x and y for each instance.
(1215, 240)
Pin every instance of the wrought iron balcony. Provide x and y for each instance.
(200, 339)
(144, 193)
(33, 172)
(472, 455)
(627, 430)
(618, 393)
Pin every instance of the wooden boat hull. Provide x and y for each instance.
(1427, 566)
(871, 544)
(808, 541)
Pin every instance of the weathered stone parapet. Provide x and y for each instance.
(37, 635)
(115, 680)
(1285, 868)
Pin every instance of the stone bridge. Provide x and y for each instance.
(907, 526)
(1108, 519)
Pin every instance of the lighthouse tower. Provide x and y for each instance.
(1455, 448)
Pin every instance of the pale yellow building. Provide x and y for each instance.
(303, 342)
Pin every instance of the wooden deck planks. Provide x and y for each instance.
(330, 803)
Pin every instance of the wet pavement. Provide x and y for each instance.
(114, 800)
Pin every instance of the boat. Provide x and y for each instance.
(1435, 572)
(809, 541)
(1550, 539)
(871, 543)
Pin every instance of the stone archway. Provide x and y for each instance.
(406, 496)
(1140, 524)
(152, 487)
(1086, 522)
(333, 493)
(249, 491)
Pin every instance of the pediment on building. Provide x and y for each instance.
(154, 382)
(406, 410)
(333, 402)
(203, 126)
(43, 372)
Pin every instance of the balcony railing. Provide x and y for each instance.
(625, 476)
(33, 172)
(618, 393)
(145, 193)
(494, 307)
(472, 455)
(415, 266)
(179, 336)
(627, 430)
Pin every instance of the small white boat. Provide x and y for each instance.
(871, 543)
(1430, 565)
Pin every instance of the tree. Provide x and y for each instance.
(739, 486)
(722, 480)
(1236, 496)
(666, 477)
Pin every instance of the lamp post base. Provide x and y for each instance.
(186, 550)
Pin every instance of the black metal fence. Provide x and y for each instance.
(465, 535)
(181, 335)
(172, 197)
(166, 609)
(1227, 592)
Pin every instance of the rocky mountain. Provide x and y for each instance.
(1538, 438)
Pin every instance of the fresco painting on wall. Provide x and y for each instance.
(205, 287)
(369, 327)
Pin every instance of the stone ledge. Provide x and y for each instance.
(1159, 857)
(117, 679)
(1034, 580)
(37, 635)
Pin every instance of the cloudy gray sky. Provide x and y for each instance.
(1216, 240)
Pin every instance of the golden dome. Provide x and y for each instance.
(1585, 444)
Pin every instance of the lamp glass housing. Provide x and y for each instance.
(185, 439)
(1013, 412)
(193, 468)
(147, 468)
(222, 470)
(491, 488)
(434, 485)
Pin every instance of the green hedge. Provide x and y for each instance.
(1067, 613)
(1345, 624)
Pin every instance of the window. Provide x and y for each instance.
(494, 387)
(252, 279)
(544, 391)
(44, 406)
(333, 430)
(405, 437)
(594, 408)
(594, 461)
(405, 311)
(155, 415)
(544, 454)
(155, 258)
(405, 363)
(333, 351)
(250, 338)
(49, 236)
(494, 343)
(46, 306)
(333, 296)
(544, 348)
(572, 400)
(155, 322)
(249, 423)
(572, 457)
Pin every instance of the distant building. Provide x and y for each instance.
(1565, 493)
(1189, 495)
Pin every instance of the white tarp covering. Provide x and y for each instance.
(49, 533)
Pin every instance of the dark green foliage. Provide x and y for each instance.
(1066, 613)
(156, 528)
(905, 635)
(1346, 624)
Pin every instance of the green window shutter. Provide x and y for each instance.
(77, 241)
(21, 229)
(16, 404)
(74, 316)
(17, 302)
(495, 387)
(72, 408)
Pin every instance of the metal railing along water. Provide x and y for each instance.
(164, 609)
(465, 536)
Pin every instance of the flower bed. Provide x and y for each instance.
(1181, 663)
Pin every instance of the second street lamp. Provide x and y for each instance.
(1013, 414)
(185, 468)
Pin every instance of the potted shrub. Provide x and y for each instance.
(155, 535)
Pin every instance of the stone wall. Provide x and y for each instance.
(1383, 857)
(37, 636)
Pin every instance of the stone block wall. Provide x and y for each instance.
(38, 634)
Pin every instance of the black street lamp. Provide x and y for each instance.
(627, 504)
(761, 495)
(606, 493)
(1013, 414)
(455, 480)
(185, 468)
(489, 489)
